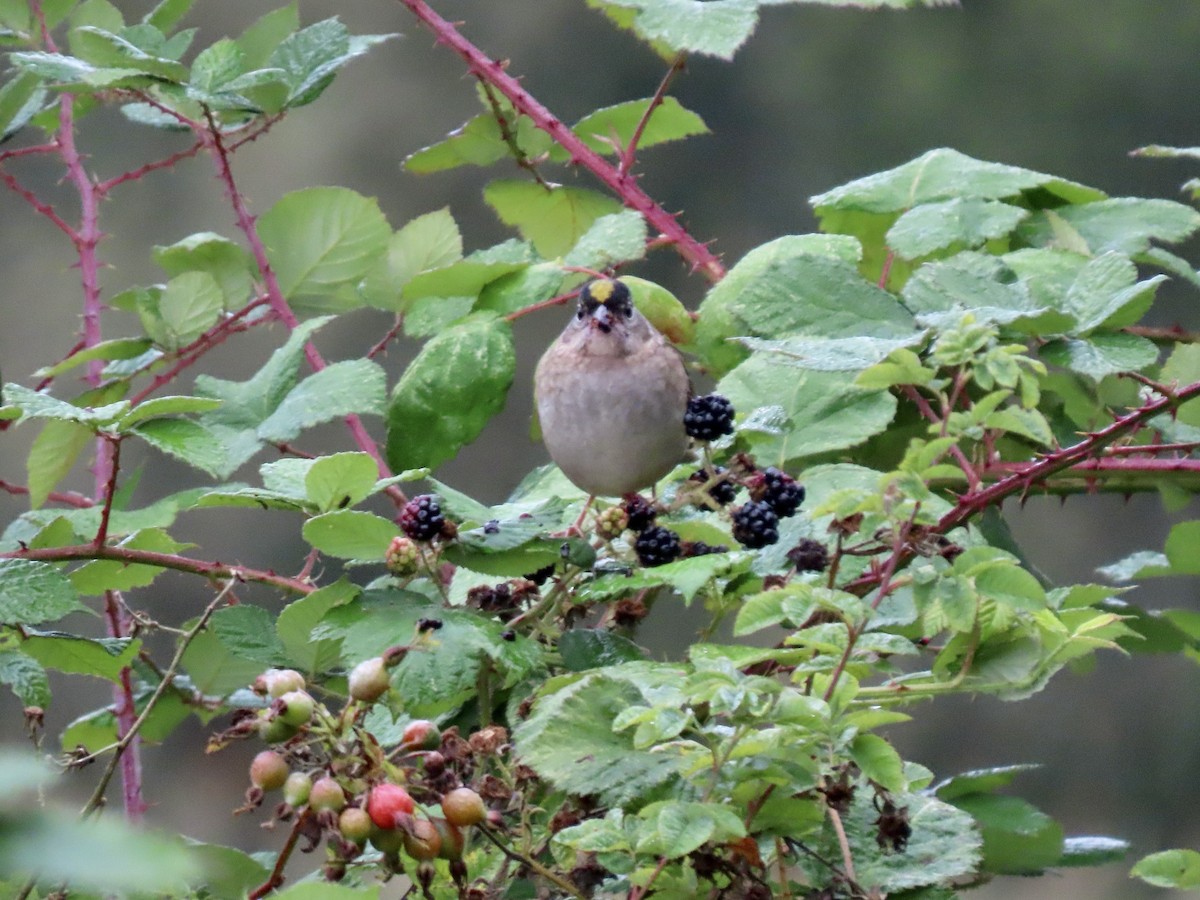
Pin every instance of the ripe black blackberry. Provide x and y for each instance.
(421, 518)
(723, 491)
(641, 512)
(809, 556)
(708, 417)
(755, 525)
(778, 490)
(657, 546)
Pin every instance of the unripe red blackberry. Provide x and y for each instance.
(421, 518)
(611, 522)
(755, 525)
(639, 511)
(778, 490)
(708, 417)
(403, 557)
(657, 546)
(809, 556)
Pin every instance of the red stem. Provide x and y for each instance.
(129, 556)
(69, 498)
(622, 184)
(211, 136)
(110, 489)
(630, 151)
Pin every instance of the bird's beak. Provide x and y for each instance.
(602, 318)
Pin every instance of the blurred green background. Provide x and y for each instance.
(818, 97)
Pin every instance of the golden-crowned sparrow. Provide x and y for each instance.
(611, 394)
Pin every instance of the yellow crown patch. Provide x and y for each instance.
(601, 290)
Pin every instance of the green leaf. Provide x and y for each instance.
(846, 354)
(119, 348)
(351, 534)
(960, 222)
(325, 891)
(809, 412)
(1181, 546)
(943, 292)
(297, 620)
(468, 276)
(341, 480)
(568, 737)
(980, 781)
(190, 304)
(53, 455)
(227, 872)
(587, 648)
(427, 242)
(1092, 850)
(712, 28)
(248, 633)
(552, 219)
(1106, 292)
(167, 14)
(27, 680)
(799, 284)
(225, 261)
(1142, 564)
(1018, 838)
(1123, 225)
(609, 240)
(1102, 353)
(40, 405)
(669, 122)
(33, 592)
(187, 441)
(1169, 869)
(350, 386)
(477, 143)
(20, 99)
(312, 56)
(322, 238)
(259, 41)
(681, 828)
(879, 762)
(458, 381)
(166, 406)
(104, 658)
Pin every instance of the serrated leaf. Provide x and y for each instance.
(427, 242)
(312, 55)
(846, 354)
(81, 656)
(166, 406)
(248, 632)
(26, 679)
(552, 219)
(351, 534)
(341, 480)
(228, 263)
(795, 285)
(713, 28)
(959, 222)
(568, 737)
(821, 411)
(879, 761)
(609, 240)
(670, 121)
(458, 381)
(297, 620)
(322, 238)
(20, 99)
(350, 386)
(1122, 224)
(1101, 353)
(40, 405)
(476, 143)
(1018, 838)
(33, 592)
(943, 292)
(468, 276)
(187, 441)
(119, 348)
(587, 648)
(52, 456)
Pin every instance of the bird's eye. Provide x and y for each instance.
(580, 314)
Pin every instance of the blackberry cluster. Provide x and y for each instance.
(639, 511)
(402, 557)
(778, 490)
(809, 556)
(755, 525)
(657, 546)
(708, 417)
(723, 491)
(421, 518)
